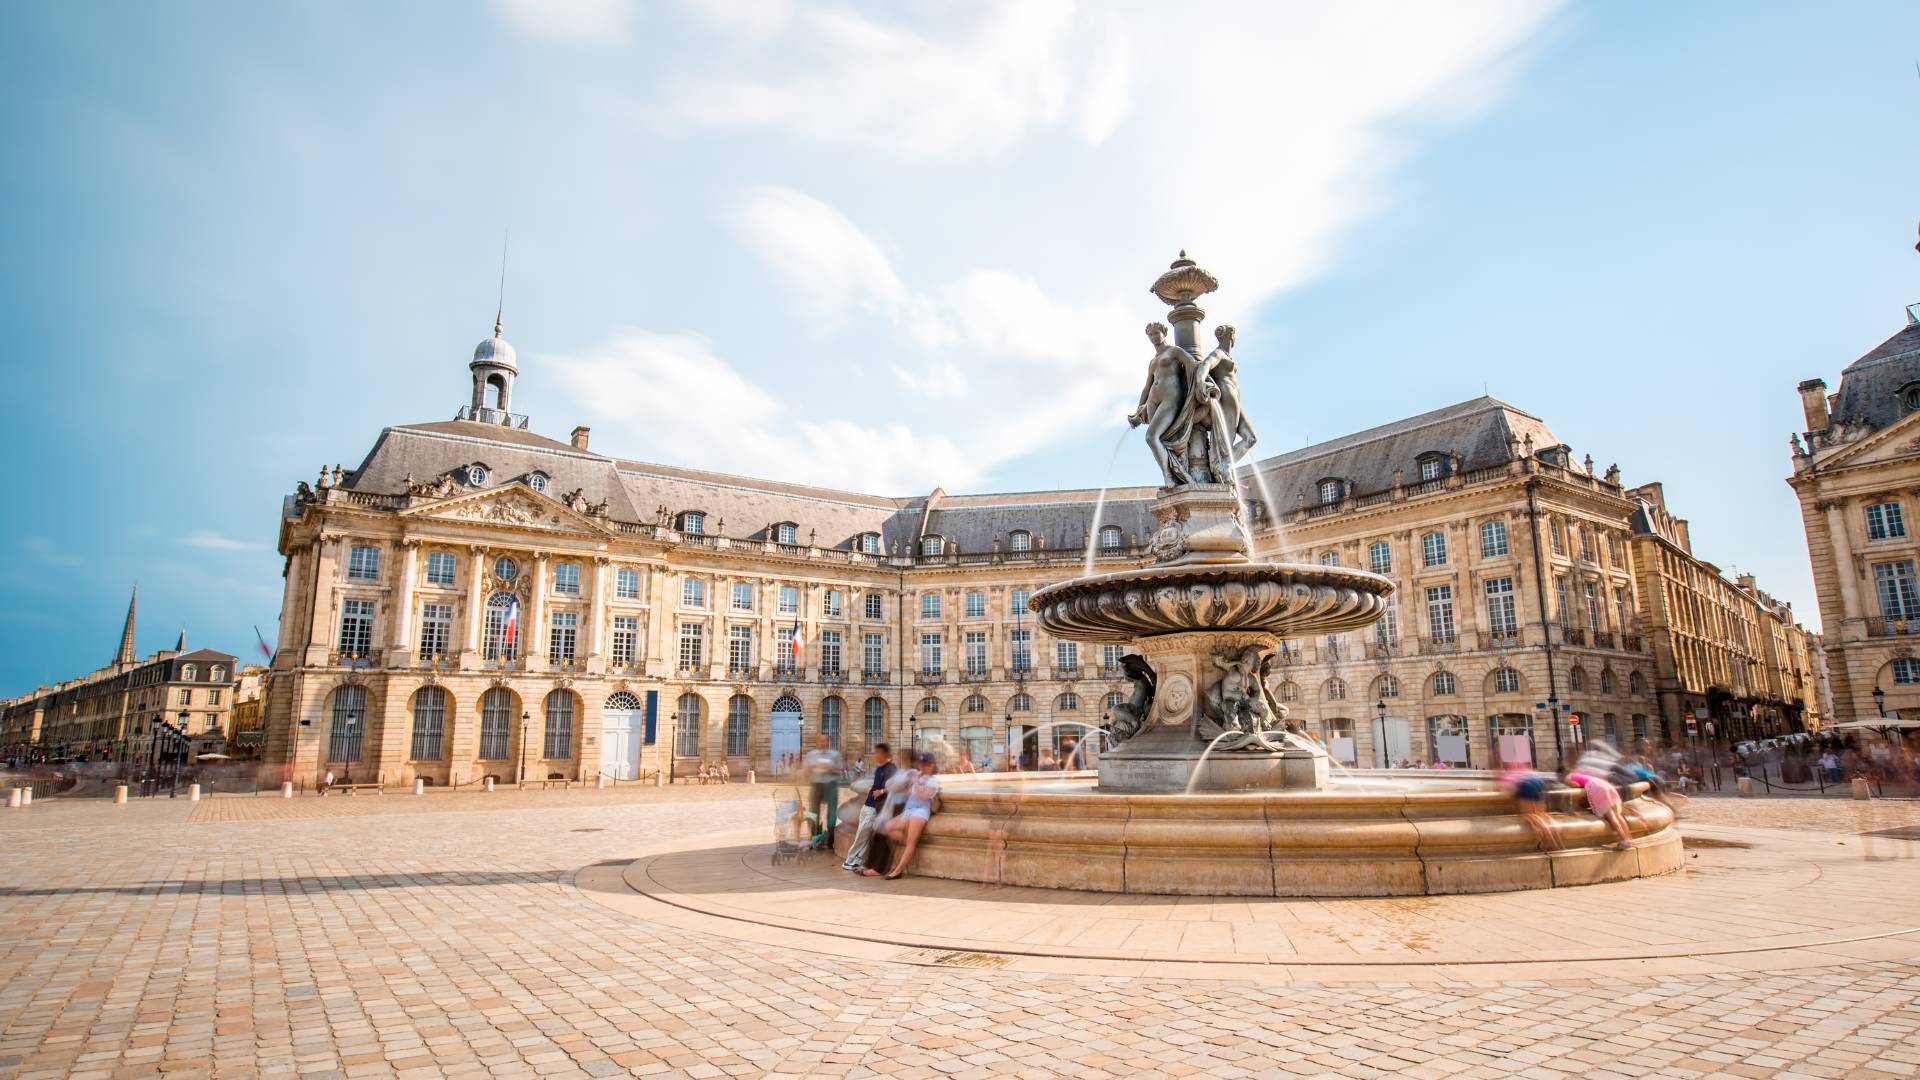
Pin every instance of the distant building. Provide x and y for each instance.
(109, 712)
(245, 729)
(1857, 476)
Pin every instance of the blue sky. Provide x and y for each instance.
(889, 246)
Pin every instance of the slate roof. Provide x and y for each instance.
(1477, 431)
(1870, 386)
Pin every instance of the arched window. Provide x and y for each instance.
(1109, 538)
(559, 738)
(1114, 697)
(932, 545)
(1443, 682)
(876, 721)
(429, 724)
(1634, 682)
(1336, 690)
(537, 481)
(1020, 703)
(870, 543)
(786, 533)
(1506, 681)
(1289, 691)
(1576, 679)
(830, 710)
(218, 674)
(1386, 686)
(1606, 680)
(496, 721)
(693, 521)
(187, 672)
(622, 700)
(974, 703)
(503, 632)
(930, 706)
(1067, 702)
(349, 724)
(686, 732)
(739, 721)
(1019, 540)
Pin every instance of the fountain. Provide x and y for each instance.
(1209, 789)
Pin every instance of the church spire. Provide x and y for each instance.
(180, 646)
(125, 657)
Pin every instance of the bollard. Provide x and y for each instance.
(752, 777)
(600, 781)
(120, 793)
(286, 789)
(487, 784)
(1861, 790)
(419, 785)
(26, 796)
(14, 803)
(1745, 785)
(193, 792)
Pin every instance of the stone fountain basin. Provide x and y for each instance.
(1454, 832)
(1284, 599)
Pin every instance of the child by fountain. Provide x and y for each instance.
(1529, 791)
(1604, 800)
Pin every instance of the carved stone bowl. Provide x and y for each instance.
(1284, 599)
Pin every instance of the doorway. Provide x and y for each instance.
(784, 736)
(1392, 742)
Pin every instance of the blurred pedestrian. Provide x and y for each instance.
(1604, 800)
(1529, 791)
(923, 792)
(883, 770)
(821, 769)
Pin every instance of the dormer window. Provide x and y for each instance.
(1110, 538)
(932, 545)
(786, 533)
(476, 475)
(693, 521)
(870, 543)
(1331, 491)
(186, 673)
(1910, 396)
(538, 482)
(1020, 540)
(1432, 466)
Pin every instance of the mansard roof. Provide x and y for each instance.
(1870, 386)
(1479, 432)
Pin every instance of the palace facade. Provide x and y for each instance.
(474, 599)
(1857, 476)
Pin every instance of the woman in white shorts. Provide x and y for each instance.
(903, 832)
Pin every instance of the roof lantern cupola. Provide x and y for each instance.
(493, 367)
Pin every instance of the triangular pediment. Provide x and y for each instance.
(511, 507)
(1897, 441)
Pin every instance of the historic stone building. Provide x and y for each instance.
(474, 599)
(109, 712)
(1857, 476)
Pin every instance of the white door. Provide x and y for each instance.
(785, 737)
(1393, 744)
(620, 743)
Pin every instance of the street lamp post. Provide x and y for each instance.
(673, 747)
(1380, 732)
(1879, 703)
(525, 716)
(153, 749)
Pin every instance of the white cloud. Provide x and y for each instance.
(597, 22)
(212, 541)
(826, 260)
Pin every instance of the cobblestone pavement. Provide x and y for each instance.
(148, 939)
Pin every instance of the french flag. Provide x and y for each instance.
(799, 643)
(510, 626)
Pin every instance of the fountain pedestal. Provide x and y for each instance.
(1198, 523)
(1171, 755)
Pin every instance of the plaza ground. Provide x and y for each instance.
(514, 934)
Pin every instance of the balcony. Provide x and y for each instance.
(623, 667)
(1447, 644)
(696, 673)
(740, 674)
(1021, 671)
(567, 664)
(1634, 643)
(1603, 639)
(974, 675)
(1504, 639)
(786, 673)
(502, 663)
(1113, 672)
(929, 676)
(482, 415)
(873, 678)
(1574, 635)
(1070, 671)
(354, 659)
(1892, 627)
(833, 675)
(438, 661)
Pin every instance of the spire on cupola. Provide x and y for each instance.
(494, 366)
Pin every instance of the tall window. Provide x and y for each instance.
(1501, 618)
(830, 721)
(1440, 613)
(1593, 607)
(559, 725)
(496, 720)
(783, 658)
(1506, 681)
(561, 639)
(1553, 533)
(1110, 656)
(1586, 543)
(976, 605)
(739, 724)
(1898, 596)
(1620, 610)
(495, 643)
(356, 627)
(743, 596)
(1493, 539)
(1336, 690)
(429, 723)
(693, 593)
(440, 568)
(833, 604)
(1380, 557)
(1443, 682)
(1110, 538)
(789, 602)
(436, 630)
(872, 602)
(626, 583)
(873, 653)
(1606, 680)
(686, 732)
(930, 654)
(1066, 655)
(1019, 540)
(830, 652)
(1017, 603)
(566, 579)
(1560, 600)
(1067, 702)
(626, 638)
(739, 648)
(1387, 630)
(1883, 522)
(930, 605)
(1433, 549)
(875, 721)
(349, 723)
(1021, 646)
(976, 652)
(692, 645)
(363, 564)
(1906, 672)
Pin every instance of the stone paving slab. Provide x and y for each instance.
(135, 942)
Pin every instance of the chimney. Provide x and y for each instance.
(1747, 582)
(580, 436)
(1813, 398)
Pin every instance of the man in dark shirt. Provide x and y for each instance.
(883, 769)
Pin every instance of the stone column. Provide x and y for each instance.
(326, 556)
(596, 614)
(533, 643)
(1841, 544)
(476, 604)
(400, 646)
